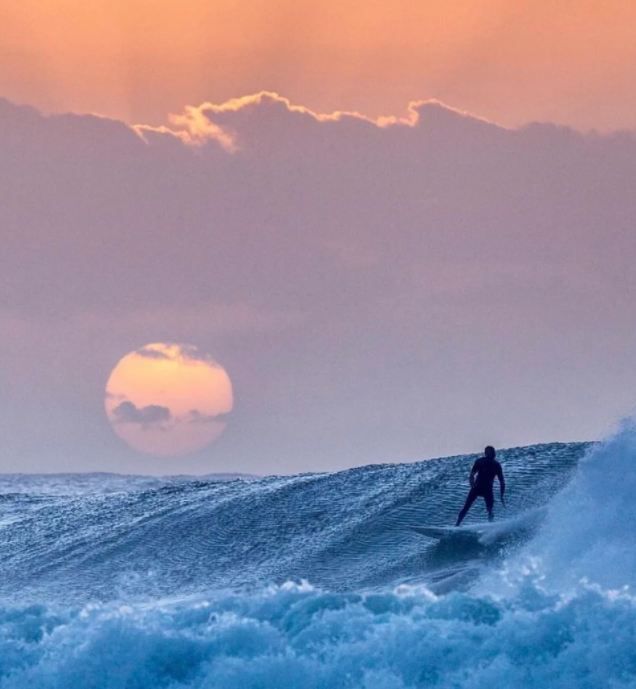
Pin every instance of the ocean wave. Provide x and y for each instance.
(188, 584)
(115, 538)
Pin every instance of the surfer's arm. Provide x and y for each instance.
(471, 478)
(502, 483)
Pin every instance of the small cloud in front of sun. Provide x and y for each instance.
(151, 414)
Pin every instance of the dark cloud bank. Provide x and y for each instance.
(376, 293)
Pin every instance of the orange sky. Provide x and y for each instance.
(571, 61)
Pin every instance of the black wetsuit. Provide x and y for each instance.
(484, 472)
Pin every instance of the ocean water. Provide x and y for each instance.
(317, 581)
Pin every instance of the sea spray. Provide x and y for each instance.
(587, 537)
(302, 638)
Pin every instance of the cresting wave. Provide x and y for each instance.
(185, 584)
(101, 537)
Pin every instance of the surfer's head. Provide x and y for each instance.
(489, 452)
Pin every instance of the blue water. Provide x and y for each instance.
(317, 581)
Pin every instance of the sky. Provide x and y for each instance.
(354, 213)
(566, 61)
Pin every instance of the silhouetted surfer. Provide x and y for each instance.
(482, 476)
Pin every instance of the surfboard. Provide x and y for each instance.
(487, 533)
(441, 532)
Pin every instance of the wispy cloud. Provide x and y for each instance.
(196, 417)
(152, 415)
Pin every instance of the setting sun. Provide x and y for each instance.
(168, 399)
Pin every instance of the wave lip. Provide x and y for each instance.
(588, 533)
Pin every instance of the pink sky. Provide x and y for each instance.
(391, 258)
(376, 292)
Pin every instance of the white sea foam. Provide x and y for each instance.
(298, 638)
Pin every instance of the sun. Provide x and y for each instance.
(168, 399)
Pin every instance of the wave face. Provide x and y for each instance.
(318, 581)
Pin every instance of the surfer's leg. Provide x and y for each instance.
(490, 503)
(472, 496)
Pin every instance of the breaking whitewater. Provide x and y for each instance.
(317, 581)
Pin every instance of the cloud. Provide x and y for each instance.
(196, 417)
(374, 277)
(210, 122)
(224, 123)
(195, 354)
(172, 351)
(97, 220)
(150, 415)
(150, 353)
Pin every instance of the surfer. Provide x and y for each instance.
(482, 477)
